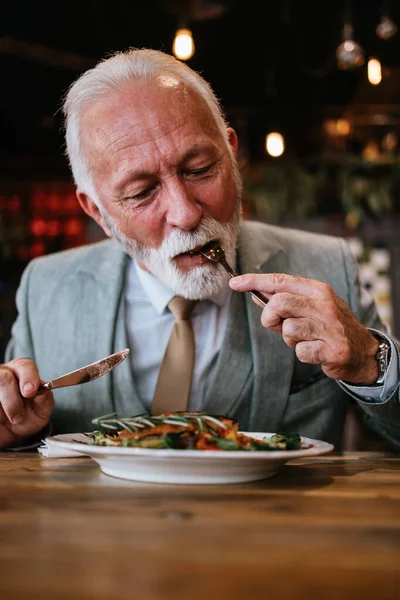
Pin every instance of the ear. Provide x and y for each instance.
(233, 139)
(92, 210)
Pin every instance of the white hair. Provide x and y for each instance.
(113, 73)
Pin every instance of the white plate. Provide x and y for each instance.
(188, 466)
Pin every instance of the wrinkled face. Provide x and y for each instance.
(165, 181)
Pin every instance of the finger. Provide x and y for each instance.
(43, 405)
(312, 353)
(271, 319)
(10, 398)
(272, 283)
(285, 306)
(27, 375)
(326, 313)
(299, 330)
(3, 417)
(258, 302)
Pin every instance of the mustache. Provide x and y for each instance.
(179, 242)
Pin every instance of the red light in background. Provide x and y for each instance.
(55, 203)
(38, 227)
(73, 227)
(39, 201)
(10, 203)
(71, 204)
(37, 249)
(14, 203)
(53, 228)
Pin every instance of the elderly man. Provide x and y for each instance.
(153, 160)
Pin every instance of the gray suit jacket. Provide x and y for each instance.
(71, 312)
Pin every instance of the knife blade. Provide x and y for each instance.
(87, 373)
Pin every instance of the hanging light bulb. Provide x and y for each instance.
(387, 28)
(371, 151)
(183, 45)
(349, 54)
(275, 144)
(343, 127)
(374, 71)
(389, 142)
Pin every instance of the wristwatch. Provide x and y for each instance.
(382, 358)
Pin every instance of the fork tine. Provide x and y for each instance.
(213, 251)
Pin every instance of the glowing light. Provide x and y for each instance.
(374, 71)
(371, 151)
(389, 142)
(387, 28)
(337, 127)
(349, 54)
(275, 144)
(183, 46)
(343, 127)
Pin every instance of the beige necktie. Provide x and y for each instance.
(175, 376)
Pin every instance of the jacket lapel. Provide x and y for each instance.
(234, 362)
(126, 399)
(104, 324)
(249, 350)
(272, 359)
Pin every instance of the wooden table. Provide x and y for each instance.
(325, 527)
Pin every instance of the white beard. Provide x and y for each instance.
(201, 282)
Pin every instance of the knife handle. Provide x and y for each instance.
(45, 387)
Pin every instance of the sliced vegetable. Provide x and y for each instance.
(185, 431)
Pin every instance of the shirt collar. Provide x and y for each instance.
(160, 295)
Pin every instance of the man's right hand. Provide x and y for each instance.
(23, 411)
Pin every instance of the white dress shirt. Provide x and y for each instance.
(149, 326)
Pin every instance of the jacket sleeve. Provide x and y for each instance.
(382, 417)
(21, 344)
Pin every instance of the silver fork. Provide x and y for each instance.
(214, 252)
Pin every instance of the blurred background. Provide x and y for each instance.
(321, 77)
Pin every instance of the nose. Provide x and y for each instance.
(183, 210)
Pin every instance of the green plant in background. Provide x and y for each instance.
(354, 189)
(366, 191)
(276, 192)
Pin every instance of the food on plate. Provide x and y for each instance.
(184, 431)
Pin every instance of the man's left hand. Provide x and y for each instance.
(317, 323)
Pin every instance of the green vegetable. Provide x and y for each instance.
(111, 425)
(228, 444)
(286, 441)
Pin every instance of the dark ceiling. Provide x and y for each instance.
(263, 58)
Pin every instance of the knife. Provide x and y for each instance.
(88, 373)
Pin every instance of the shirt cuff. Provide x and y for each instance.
(379, 393)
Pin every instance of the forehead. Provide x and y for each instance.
(143, 114)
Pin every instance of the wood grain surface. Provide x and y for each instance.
(325, 527)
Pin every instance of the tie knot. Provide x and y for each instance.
(181, 307)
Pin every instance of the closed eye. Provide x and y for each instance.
(199, 172)
(144, 194)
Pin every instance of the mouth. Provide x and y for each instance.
(195, 252)
(190, 259)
